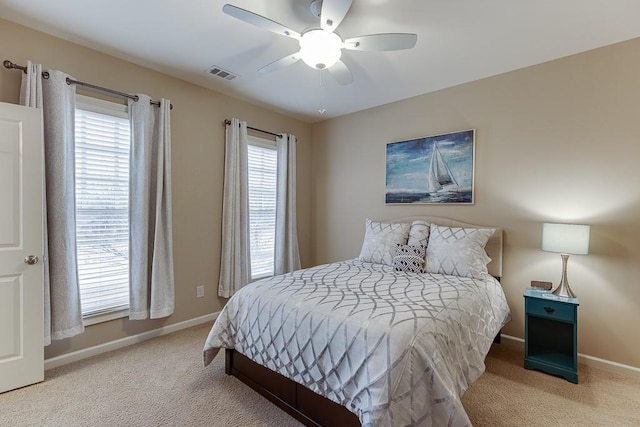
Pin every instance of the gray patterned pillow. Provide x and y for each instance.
(409, 258)
(419, 233)
(380, 239)
(458, 251)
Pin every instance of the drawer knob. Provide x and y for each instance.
(549, 309)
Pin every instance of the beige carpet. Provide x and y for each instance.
(162, 383)
(509, 395)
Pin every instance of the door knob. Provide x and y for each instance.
(31, 259)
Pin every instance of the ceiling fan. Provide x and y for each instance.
(321, 48)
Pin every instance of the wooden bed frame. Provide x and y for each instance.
(298, 401)
(307, 406)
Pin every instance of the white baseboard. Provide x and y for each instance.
(63, 359)
(595, 362)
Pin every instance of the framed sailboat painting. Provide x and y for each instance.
(433, 169)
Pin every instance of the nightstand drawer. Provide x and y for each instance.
(550, 309)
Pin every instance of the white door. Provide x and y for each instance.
(21, 276)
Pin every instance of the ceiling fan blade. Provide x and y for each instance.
(333, 12)
(280, 63)
(341, 73)
(259, 21)
(382, 42)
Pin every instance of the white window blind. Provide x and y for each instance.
(262, 206)
(102, 141)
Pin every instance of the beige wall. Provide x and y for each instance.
(198, 158)
(554, 142)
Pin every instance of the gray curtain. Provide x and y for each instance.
(62, 310)
(235, 264)
(287, 254)
(151, 287)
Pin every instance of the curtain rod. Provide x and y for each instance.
(8, 64)
(228, 122)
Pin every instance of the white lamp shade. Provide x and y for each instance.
(566, 238)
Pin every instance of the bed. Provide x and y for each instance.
(371, 341)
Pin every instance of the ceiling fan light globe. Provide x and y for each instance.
(320, 49)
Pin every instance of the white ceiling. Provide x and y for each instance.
(458, 41)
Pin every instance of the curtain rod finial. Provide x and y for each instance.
(10, 65)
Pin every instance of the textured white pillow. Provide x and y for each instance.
(458, 251)
(419, 233)
(380, 239)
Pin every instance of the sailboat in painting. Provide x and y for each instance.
(440, 179)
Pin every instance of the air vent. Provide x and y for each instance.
(222, 73)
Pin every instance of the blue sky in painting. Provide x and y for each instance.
(408, 161)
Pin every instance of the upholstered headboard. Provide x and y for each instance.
(493, 247)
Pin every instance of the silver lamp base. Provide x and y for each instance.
(563, 289)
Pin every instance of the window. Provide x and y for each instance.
(102, 142)
(262, 205)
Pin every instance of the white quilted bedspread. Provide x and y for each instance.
(395, 348)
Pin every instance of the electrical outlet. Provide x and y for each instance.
(541, 285)
(199, 291)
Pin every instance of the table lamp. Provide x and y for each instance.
(566, 239)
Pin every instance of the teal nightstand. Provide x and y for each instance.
(551, 334)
